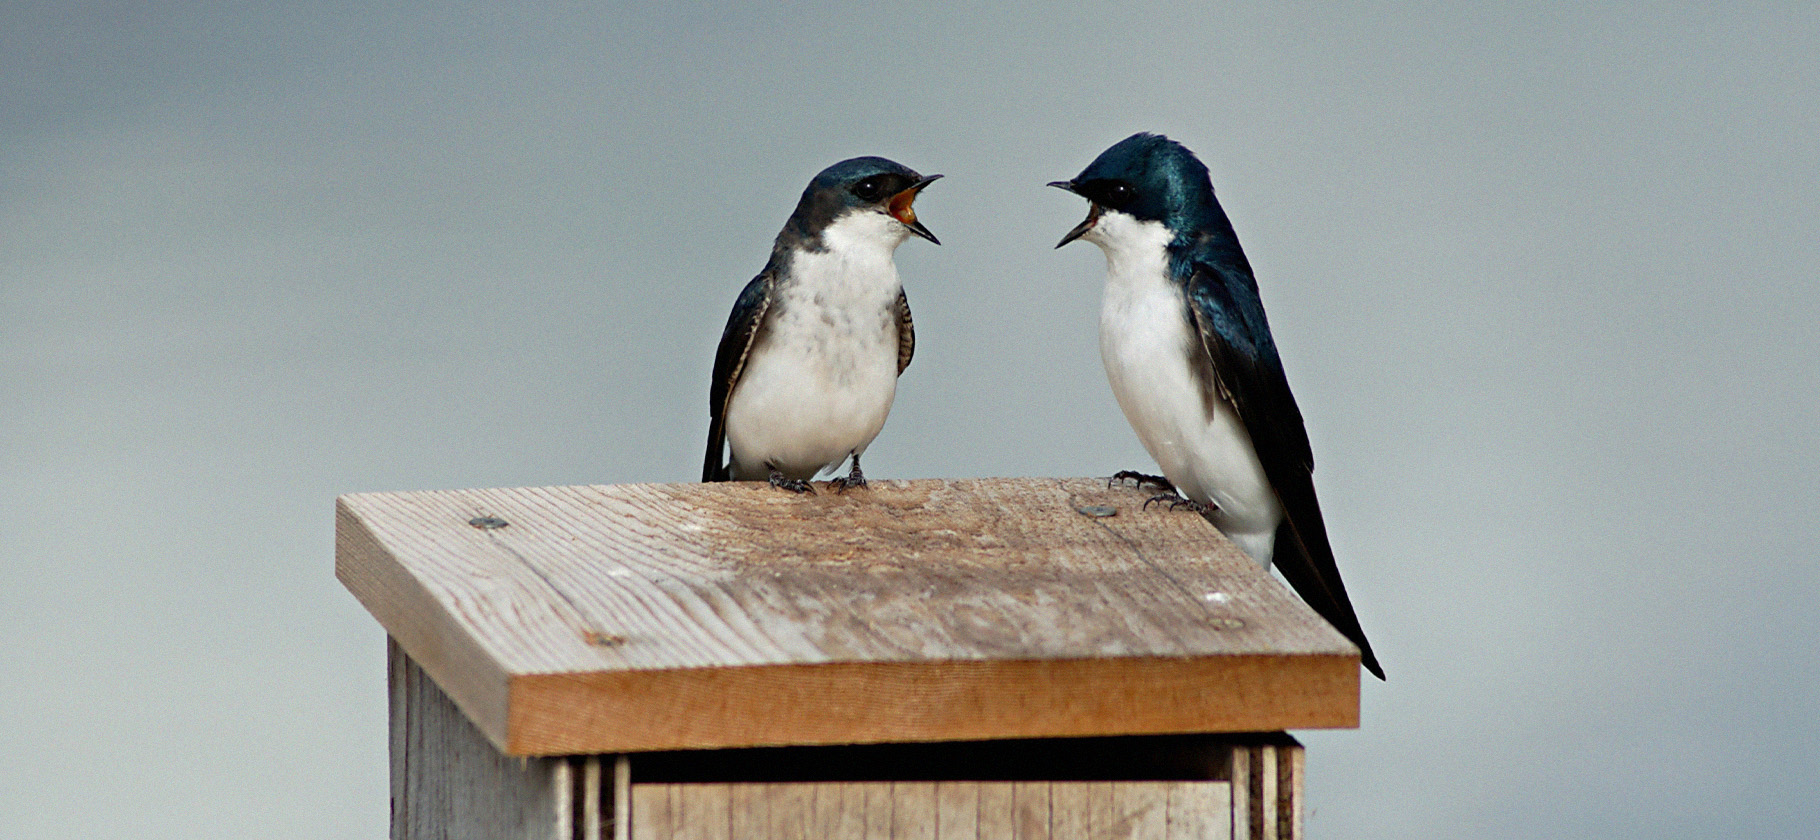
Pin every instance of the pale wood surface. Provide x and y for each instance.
(622, 797)
(644, 617)
(956, 811)
(449, 783)
(1239, 773)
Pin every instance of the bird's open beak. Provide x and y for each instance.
(1093, 214)
(903, 212)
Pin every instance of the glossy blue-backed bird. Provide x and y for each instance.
(1189, 355)
(809, 360)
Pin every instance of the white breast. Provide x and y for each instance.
(821, 385)
(1145, 342)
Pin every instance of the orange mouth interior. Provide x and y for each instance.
(901, 209)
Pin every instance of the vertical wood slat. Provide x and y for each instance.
(622, 798)
(993, 814)
(1031, 810)
(751, 813)
(591, 788)
(957, 809)
(1264, 791)
(1291, 762)
(449, 782)
(1069, 810)
(911, 805)
(1238, 770)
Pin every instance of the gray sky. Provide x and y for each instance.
(1543, 279)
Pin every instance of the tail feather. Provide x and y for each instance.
(714, 466)
(1319, 584)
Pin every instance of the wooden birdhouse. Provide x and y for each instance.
(991, 658)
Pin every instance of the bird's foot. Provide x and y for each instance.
(795, 485)
(1177, 501)
(1141, 479)
(853, 478)
(849, 481)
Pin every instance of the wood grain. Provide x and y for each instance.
(648, 617)
(1239, 773)
(449, 783)
(958, 811)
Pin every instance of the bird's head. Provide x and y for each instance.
(1142, 178)
(864, 185)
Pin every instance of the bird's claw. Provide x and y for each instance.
(853, 478)
(1176, 501)
(1140, 479)
(795, 485)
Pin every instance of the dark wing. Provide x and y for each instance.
(906, 333)
(1246, 372)
(729, 361)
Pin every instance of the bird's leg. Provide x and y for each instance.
(1142, 479)
(792, 484)
(853, 478)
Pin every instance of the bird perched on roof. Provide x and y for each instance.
(809, 360)
(1189, 354)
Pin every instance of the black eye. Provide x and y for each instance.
(1114, 194)
(871, 189)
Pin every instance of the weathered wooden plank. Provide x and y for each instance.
(448, 783)
(1239, 772)
(1139, 811)
(935, 701)
(957, 811)
(562, 795)
(789, 808)
(1198, 810)
(1069, 810)
(1102, 817)
(878, 807)
(1030, 810)
(642, 617)
(995, 815)
(1291, 764)
(751, 810)
(651, 816)
(595, 794)
(837, 813)
(702, 812)
(622, 797)
(916, 811)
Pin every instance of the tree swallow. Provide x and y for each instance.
(809, 361)
(1191, 360)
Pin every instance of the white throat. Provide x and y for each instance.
(1133, 248)
(862, 232)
